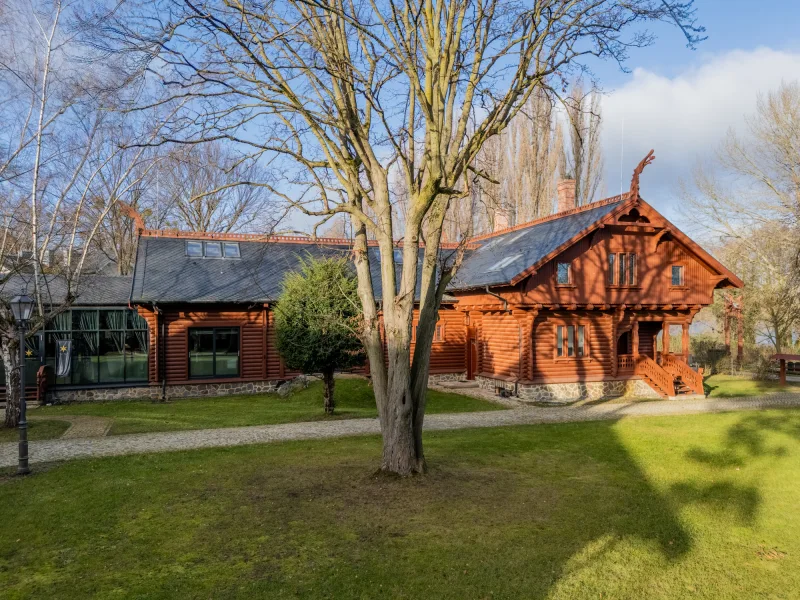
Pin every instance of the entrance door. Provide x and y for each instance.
(472, 351)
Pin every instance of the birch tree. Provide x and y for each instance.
(340, 93)
(58, 178)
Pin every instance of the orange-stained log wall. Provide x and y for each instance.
(259, 358)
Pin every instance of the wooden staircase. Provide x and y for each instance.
(673, 378)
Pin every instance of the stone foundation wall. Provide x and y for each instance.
(442, 377)
(191, 390)
(566, 393)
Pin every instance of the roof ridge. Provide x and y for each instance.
(260, 237)
(553, 217)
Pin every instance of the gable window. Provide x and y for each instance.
(612, 263)
(213, 352)
(231, 250)
(677, 275)
(212, 249)
(563, 273)
(570, 341)
(194, 249)
(622, 268)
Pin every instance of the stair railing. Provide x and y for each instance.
(688, 375)
(647, 366)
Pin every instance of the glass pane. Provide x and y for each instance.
(194, 249)
(201, 352)
(85, 320)
(136, 344)
(135, 320)
(611, 265)
(581, 340)
(677, 275)
(563, 272)
(622, 270)
(84, 358)
(51, 351)
(560, 340)
(213, 250)
(231, 249)
(631, 269)
(227, 358)
(112, 319)
(570, 340)
(111, 361)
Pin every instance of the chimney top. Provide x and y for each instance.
(566, 195)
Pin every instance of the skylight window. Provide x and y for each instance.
(213, 249)
(398, 256)
(231, 250)
(194, 249)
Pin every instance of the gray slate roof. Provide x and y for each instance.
(92, 290)
(501, 258)
(165, 274)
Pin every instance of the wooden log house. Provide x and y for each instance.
(579, 304)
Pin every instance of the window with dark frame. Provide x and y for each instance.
(677, 275)
(231, 250)
(612, 259)
(570, 341)
(213, 352)
(563, 273)
(622, 269)
(109, 346)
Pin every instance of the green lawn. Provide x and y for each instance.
(37, 430)
(732, 386)
(701, 506)
(354, 399)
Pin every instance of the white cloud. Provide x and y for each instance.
(684, 118)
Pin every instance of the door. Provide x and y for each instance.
(472, 351)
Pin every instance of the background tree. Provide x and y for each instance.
(61, 172)
(748, 203)
(582, 158)
(317, 319)
(337, 95)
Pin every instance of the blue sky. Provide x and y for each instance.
(682, 102)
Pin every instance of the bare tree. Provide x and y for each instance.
(207, 191)
(751, 204)
(341, 93)
(59, 177)
(582, 158)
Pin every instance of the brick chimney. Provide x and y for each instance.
(566, 195)
(500, 219)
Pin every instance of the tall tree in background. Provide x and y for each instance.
(582, 158)
(750, 203)
(341, 93)
(58, 173)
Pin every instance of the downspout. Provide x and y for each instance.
(160, 355)
(499, 297)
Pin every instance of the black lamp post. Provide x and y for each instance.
(22, 307)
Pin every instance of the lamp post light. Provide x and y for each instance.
(22, 307)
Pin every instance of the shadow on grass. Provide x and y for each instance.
(507, 512)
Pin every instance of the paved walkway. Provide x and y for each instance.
(67, 449)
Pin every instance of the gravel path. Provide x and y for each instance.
(67, 449)
(81, 426)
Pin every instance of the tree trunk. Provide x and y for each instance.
(329, 384)
(10, 350)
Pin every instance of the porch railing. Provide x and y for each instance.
(625, 362)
